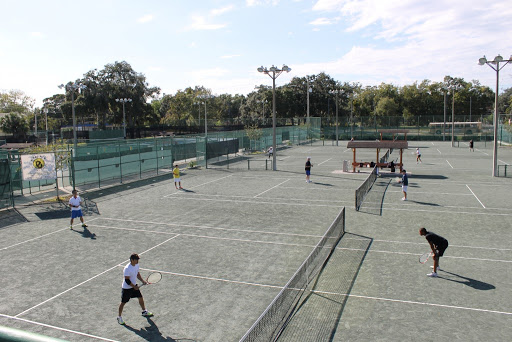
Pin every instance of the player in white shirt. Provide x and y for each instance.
(76, 211)
(130, 287)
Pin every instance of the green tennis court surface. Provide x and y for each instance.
(229, 242)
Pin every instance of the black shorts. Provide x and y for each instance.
(440, 249)
(126, 294)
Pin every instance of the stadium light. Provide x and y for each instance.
(274, 73)
(496, 62)
(72, 87)
(123, 101)
(336, 92)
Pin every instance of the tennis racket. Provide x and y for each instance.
(398, 179)
(153, 278)
(424, 257)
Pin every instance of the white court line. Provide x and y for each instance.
(439, 151)
(476, 149)
(39, 237)
(215, 180)
(271, 188)
(262, 202)
(210, 227)
(432, 143)
(451, 211)
(88, 280)
(501, 161)
(324, 161)
(475, 196)
(58, 328)
(423, 243)
(207, 237)
(414, 302)
(449, 164)
(418, 254)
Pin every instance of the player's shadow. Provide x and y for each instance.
(153, 333)
(86, 233)
(324, 184)
(424, 203)
(186, 190)
(476, 284)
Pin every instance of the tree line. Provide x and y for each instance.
(382, 105)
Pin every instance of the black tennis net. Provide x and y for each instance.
(273, 320)
(365, 188)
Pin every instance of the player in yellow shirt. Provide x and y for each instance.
(176, 176)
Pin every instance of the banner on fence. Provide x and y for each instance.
(38, 166)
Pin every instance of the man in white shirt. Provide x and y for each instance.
(76, 211)
(130, 287)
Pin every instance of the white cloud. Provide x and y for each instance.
(251, 3)
(414, 38)
(201, 23)
(322, 21)
(219, 11)
(145, 19)
(37, 34)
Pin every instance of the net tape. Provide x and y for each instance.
(273, 320)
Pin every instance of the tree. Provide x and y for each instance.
(14, 124)
(15, 101)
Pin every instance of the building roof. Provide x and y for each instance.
(378, 144)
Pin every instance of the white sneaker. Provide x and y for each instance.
(432, 274)
(438, 268)
(404, 199)
(120, 320)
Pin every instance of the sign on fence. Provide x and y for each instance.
(38, 166)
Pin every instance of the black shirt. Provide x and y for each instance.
(308, 166)
(435, 239)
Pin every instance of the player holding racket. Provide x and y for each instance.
(438, 244)
(76, 211)
(130, 287)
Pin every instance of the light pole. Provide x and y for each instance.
(46, 119)
(123, 101)
(497, 60)
(274, 73)
(72, 87)
(308, 90)
(198, 114)
(336, 92)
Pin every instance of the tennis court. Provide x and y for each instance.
(230, 241)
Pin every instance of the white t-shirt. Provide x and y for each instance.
(75, 202)
(130, 271)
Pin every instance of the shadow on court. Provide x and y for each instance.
(86, 233)
(476, 284)
(424, 203)
(10, 217)
(153, 333)
(318, 316)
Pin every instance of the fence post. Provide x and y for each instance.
(140, 162)
(120, 162)
(98, 158)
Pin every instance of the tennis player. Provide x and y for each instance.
(130, 287)
(438, 244)
(418, 155)
(176, 176)
(76, 211)
(405, 184)
(308, 167)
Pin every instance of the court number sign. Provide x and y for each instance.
(38, 166)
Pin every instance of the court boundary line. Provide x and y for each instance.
(449, 163)
(422, 243)
(208, 237)
(39, 237)
(256, 202)
(475, 196)
(91, 278)
(271, 188)
(210, 227)
(195, 186)
(57, 328)
(414, 302)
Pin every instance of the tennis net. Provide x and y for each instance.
(365, 188)
(273, 320)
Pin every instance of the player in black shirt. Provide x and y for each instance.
(438, 244)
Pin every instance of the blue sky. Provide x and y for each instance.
(220, 43)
